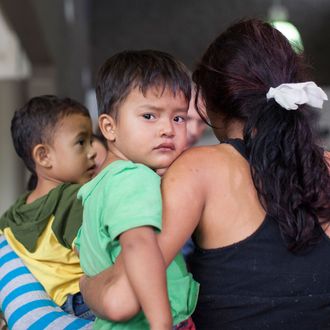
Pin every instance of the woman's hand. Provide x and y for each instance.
(109, 294)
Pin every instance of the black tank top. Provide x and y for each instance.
(258, 284)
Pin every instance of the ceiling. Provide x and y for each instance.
(76, 36)
(186, 27)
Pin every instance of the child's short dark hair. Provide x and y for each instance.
(36, 122)
(143, 69)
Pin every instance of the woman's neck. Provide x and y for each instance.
(235, 130)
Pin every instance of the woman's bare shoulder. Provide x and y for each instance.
(206, 154)
(200, 160)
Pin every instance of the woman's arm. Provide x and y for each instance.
(183, 195)
(107, 292)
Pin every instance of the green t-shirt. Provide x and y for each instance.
(126, 195)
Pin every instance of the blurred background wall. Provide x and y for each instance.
(56, 46)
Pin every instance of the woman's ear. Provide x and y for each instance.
(108, 127)
(41, 155)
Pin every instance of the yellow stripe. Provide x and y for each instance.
(55, 266)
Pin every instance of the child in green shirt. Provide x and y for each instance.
(143, 98)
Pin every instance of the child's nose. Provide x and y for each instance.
(91, 152)
(167, 129)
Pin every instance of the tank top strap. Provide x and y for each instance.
(239, 145)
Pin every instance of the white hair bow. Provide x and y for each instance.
(290, 96)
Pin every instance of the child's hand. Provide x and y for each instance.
(76, 251)
(167, 326)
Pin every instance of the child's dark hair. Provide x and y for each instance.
(288, 167)
(32, 182)
(36, 123)
(143, 69)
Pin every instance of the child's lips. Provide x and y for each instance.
(165, 147)
(92, 168)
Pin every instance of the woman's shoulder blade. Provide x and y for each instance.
(200, 162)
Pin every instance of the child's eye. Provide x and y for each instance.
(179, 119)
(81, 142)
(148, 116)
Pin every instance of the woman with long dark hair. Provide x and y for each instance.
(257, 204)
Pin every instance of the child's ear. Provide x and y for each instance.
(108, 127)
(41, 155)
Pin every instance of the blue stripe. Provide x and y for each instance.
(77, 324)
(3, 244)
(27, 308)
(8, 257)
(13, 274)
(45, 320)
(36, 286)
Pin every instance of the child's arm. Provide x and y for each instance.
(110, 294)
(146, 273)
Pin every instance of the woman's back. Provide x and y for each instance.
(232, 210)
(249, 279)
(257, 219)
